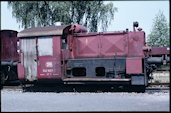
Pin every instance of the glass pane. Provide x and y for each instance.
(45, 46)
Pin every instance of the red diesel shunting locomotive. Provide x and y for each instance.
(9, 55)
(70, 54)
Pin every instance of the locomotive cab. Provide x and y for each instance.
(40, 54)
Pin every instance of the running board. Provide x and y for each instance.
(94, 80)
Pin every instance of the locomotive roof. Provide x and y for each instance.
(8, 30)
(42, 31)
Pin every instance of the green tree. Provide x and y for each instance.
(159, 35)
(44, 13)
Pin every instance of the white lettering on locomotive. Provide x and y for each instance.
(49, 64)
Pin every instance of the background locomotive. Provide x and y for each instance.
(9, 56)
(69, 54)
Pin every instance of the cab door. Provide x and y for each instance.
(29, 58)
(49, 63)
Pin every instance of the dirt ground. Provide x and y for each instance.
(163, 77)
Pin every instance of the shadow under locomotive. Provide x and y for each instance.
(95, 88)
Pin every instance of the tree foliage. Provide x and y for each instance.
(91, 14)
(159, 35)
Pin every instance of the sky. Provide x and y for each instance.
(128, 11)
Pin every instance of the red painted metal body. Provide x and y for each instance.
(41, 54)
(9, 56)
(76, 28)
(136, 44)
(134, 65)
(46, 63)
(69, 53)
(20, 70)
(160, 51)
(49, 67)
(124, 44)
(9, 45)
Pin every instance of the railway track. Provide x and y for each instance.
(153, 87)
(159, 84)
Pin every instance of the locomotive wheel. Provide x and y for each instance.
(138, 88)
(2, 78)
(12, 75)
